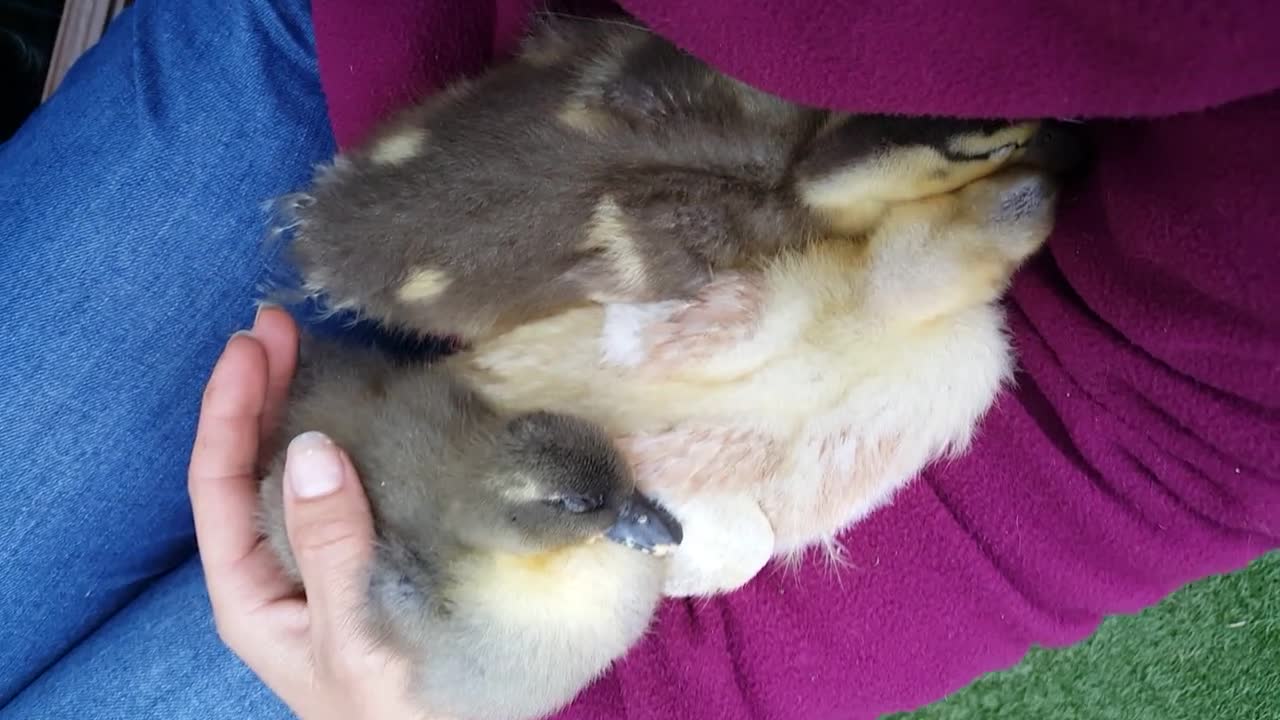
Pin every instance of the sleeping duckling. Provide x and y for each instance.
(603, 164)
(786, 402)
(516, 561)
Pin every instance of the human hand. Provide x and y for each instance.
(307, 649)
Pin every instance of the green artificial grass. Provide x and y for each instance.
(1210, 651)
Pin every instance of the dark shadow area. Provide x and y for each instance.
(28, 29)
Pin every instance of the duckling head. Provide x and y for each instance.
(860, 165)
(551, 481)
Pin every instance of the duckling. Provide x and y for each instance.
(785, 402)
(603, 165)
(515, 559)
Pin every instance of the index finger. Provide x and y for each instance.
(222, 476)
(278, 333)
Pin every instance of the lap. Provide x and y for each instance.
(158, 658)
(132, 247)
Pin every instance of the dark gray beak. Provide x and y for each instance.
(644, 526)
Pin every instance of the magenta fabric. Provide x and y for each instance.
(1009, 58)
(1141, 448)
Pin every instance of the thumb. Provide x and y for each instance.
(330, 529)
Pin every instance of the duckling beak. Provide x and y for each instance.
(643, 525)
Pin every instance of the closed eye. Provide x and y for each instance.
(576, 504)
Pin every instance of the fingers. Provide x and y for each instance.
(221, 477)
(309, 652)
(278, 333)
(330, 528)
(252, 375)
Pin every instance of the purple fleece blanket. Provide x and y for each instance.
(1141, 449)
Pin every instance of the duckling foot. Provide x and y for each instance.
(727, 541)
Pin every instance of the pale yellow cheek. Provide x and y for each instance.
(400, 147)
(423, 285)
(521, 489)
(853, 199)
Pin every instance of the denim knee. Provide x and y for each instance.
(132, 245)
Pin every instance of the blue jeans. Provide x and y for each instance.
(131, 246)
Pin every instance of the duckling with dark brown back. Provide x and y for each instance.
(516, 561)
(603, 164)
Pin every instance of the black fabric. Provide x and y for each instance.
(28, 29)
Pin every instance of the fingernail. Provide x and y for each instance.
(314, 465)
(262, 306)
(239, 333)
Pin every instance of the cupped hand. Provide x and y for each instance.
(306, 647)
